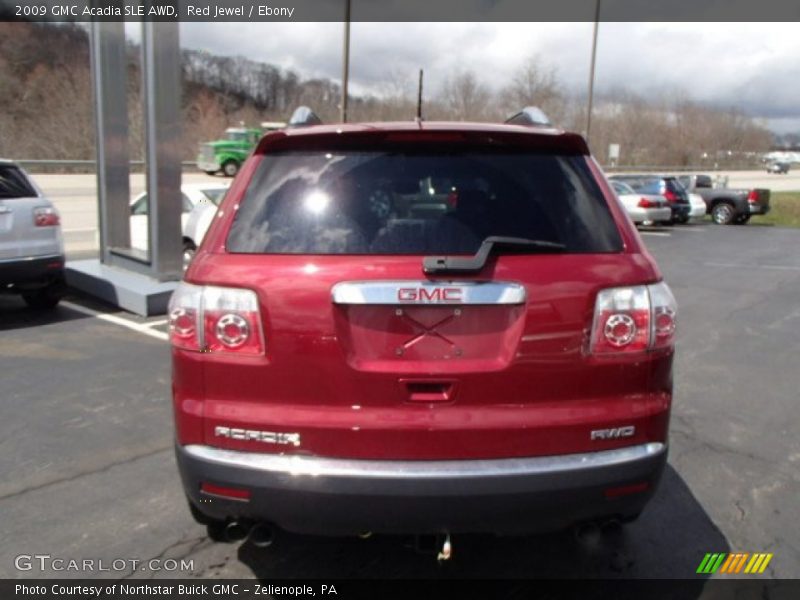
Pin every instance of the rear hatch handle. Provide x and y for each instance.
(472, 264)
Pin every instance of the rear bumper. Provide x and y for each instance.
(758, 209)
(32, 271)
(640, 215)
(341, 496)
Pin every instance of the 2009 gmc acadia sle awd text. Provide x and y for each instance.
(421, 328)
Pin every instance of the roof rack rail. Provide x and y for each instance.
(530, 116)
(304, 117)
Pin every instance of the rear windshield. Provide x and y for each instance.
(399, 202)
(13, 184)
(647, 186)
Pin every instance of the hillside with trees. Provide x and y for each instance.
(45, 91)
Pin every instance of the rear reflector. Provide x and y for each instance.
(224, 492)
(216, 319)
(627, 490)
(633, 319)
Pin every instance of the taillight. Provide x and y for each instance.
(670, 196)
(45, 216)
(645, 203)
(752, 197)
(215, 319)
(633, 319)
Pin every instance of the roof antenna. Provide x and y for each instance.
(419, 97)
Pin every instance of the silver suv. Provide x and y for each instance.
(31, 245)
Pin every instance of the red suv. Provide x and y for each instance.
(421, 328)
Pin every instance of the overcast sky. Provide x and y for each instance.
(752, 66)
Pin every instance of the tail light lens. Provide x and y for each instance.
(670, 196)
(633, 319)
(645, 203)
(45, 216)
(752, 197)
(216, 319)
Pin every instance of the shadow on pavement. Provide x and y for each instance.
(668, 541)
(15, 314)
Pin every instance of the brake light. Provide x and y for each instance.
(646, 203)
(215, 319)
(633, 319)
(670, 196)
(45, 216)
(752, 197)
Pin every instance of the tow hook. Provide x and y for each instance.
(447, 549)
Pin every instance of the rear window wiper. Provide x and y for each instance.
(471, 264)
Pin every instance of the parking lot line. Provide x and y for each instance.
(137, 327)
(656, 233)
(156, 323)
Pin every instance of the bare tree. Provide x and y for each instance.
(535, 84)
(464, 97)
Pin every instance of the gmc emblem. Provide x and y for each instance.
(431, 295)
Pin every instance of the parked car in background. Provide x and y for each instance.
(699, 208)
(642, 208)
(727, 206)
(661, 185)
(197, 224)
(31, 244)
(192, 195)
(354, 343)
(778, 167)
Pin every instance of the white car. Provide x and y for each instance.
(642, 208)
(192, 195)
(31, 244)
(699, 208)
(197, 224)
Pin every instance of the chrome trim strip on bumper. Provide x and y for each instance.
(427, 292)
(21, 259)
(422, 469)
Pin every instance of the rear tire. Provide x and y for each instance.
(46, 298)
(189, 250)
(230, 168)
(723, 213)
(683, 219)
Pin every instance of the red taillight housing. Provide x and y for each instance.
(646, 203)
(633, 319)
(752, 197)
(216, 319)
(45, 216)
(670, 196)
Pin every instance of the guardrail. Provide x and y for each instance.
(35, 164)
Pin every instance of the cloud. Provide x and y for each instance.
(750, 66)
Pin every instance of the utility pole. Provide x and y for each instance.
(591, 71)
(345, 59)
(419, 97)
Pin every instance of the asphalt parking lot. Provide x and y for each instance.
(88, 470)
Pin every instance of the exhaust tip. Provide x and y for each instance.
(235, 531)
(262, 535)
